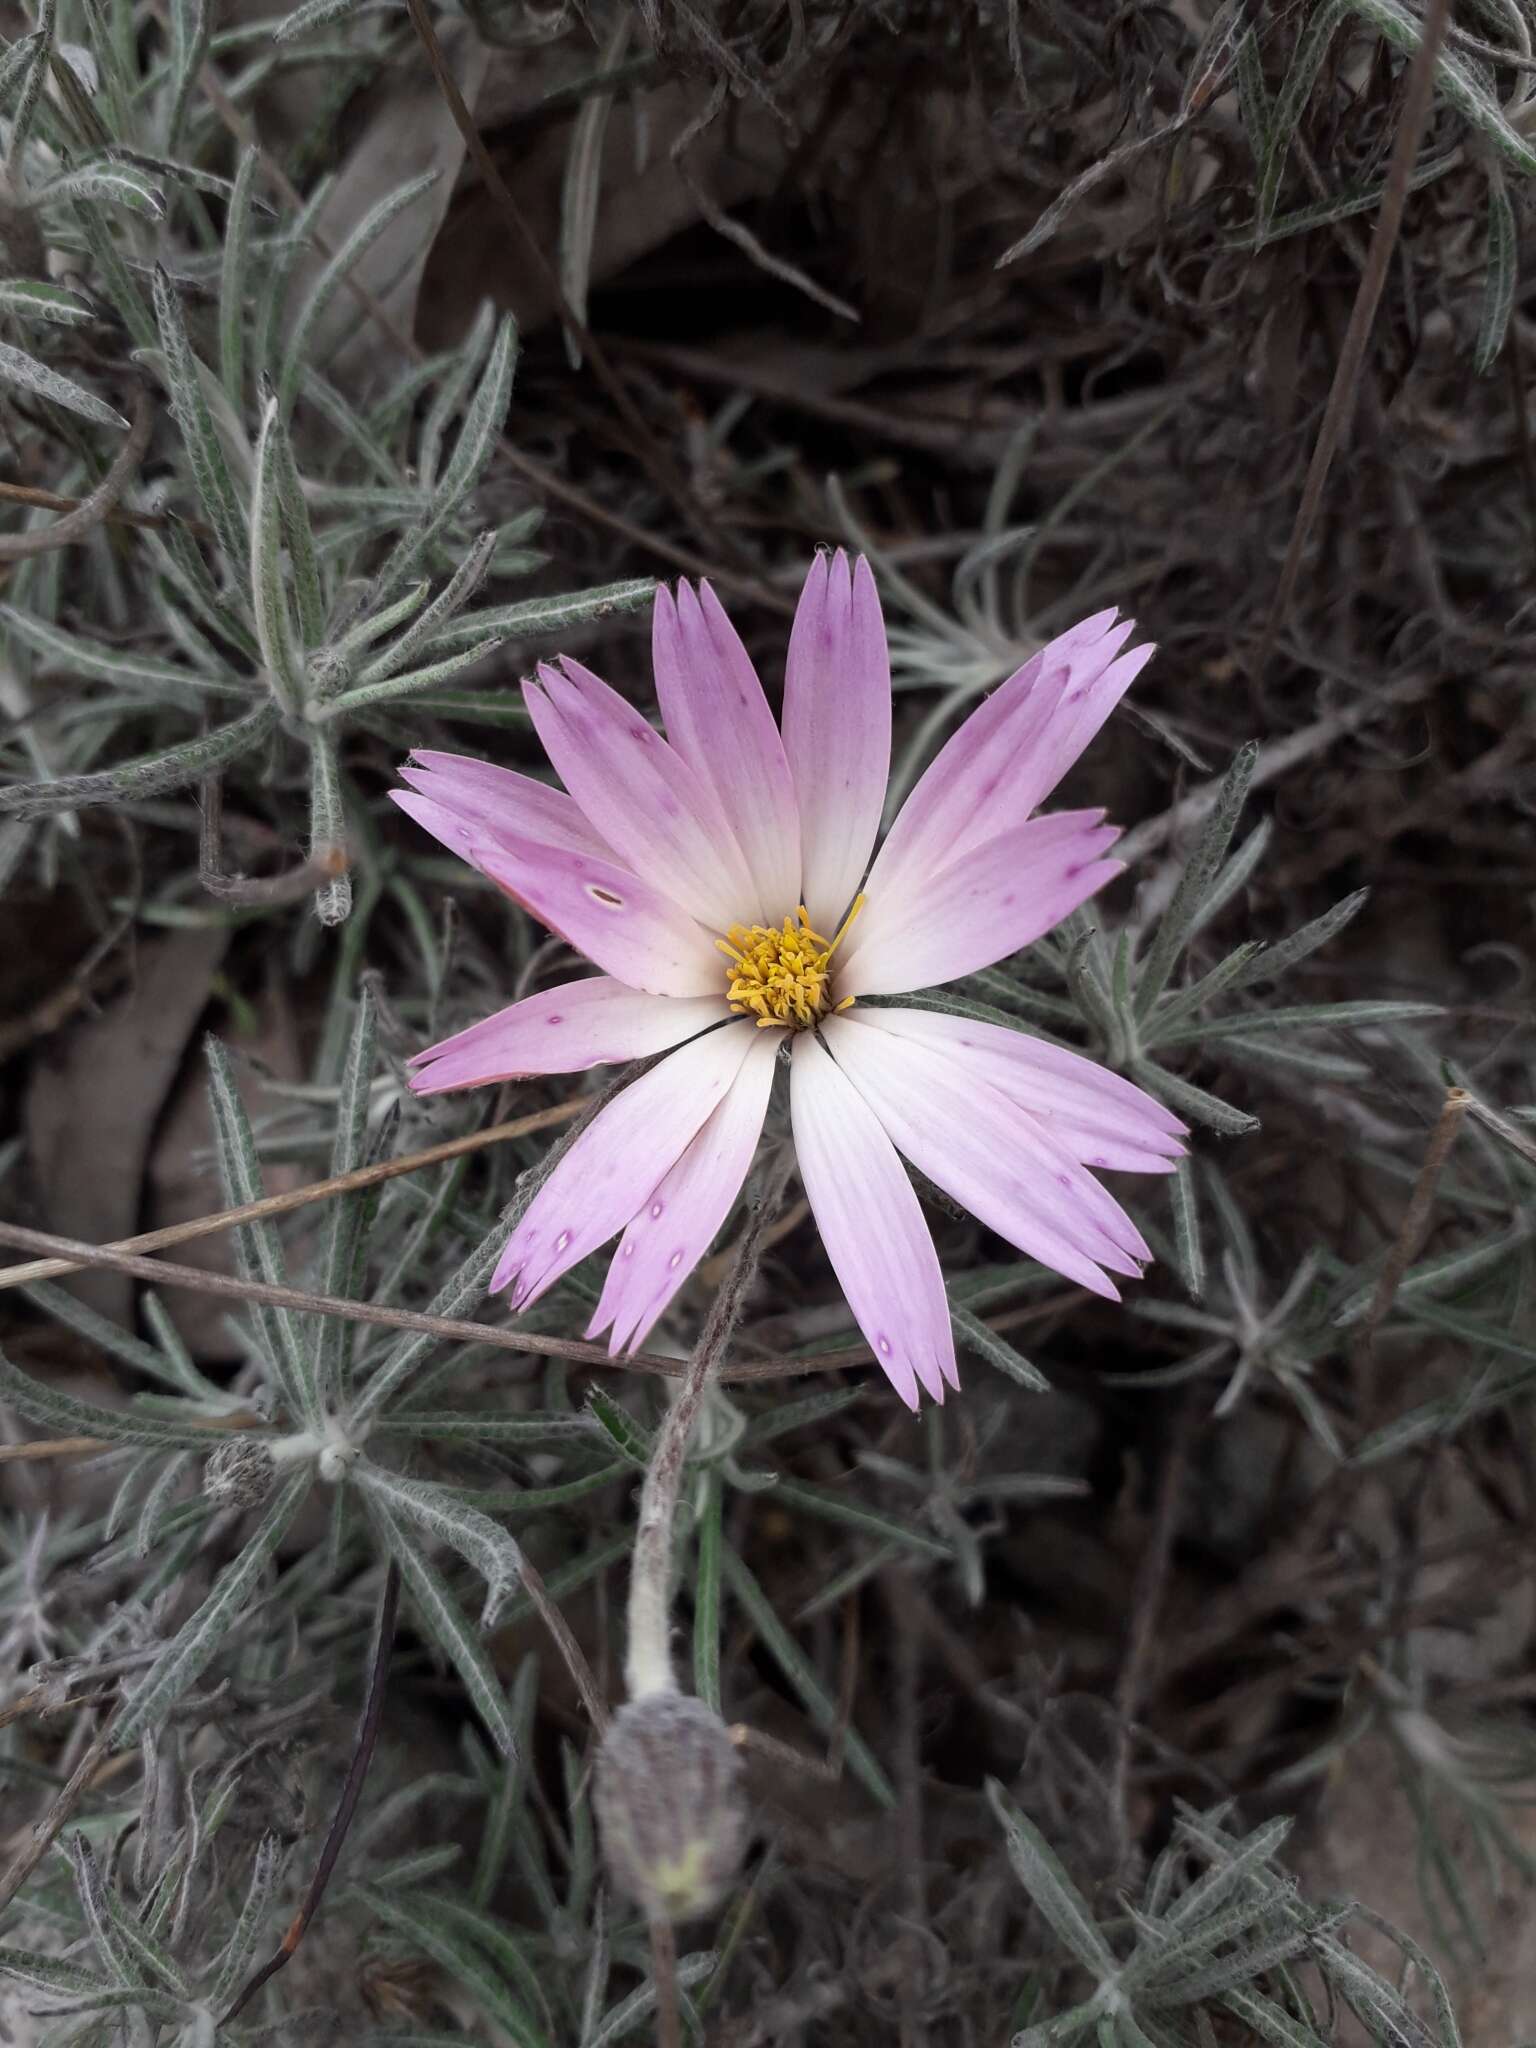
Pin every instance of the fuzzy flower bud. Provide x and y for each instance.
(670, 1805)
(239, 1472)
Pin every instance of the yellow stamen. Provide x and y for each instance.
(782, 977)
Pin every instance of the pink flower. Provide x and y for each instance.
(722, 878)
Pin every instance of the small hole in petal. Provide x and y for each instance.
(606, 897)
(562, 1240)
(656, 1208)
(883, 1344)
(674, 1262)
(554, 1018)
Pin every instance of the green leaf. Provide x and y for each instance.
(28, 374)
(1454, 77)
(344, 1235)
(274, 622)
(332, 276)
(1194, 1102)
(234, 280)
(1189, 1253)
(786, 1653)
(536, 618)
(1197, 880)
(328, 825)
(188, 1655)
(112, 179)
(582, 186)
(1501, 275)
(410, 685)
(446, 1622)
(149, 775)
(1039, 1869)
(441, 1513)
(66, 1416)
(709, 1540)
(205, 457)
(25, 300)
(854, 1514)
(976, 1336)
(1301, 1017)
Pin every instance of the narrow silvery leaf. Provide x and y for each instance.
(347, 1211)
(28, 374)
(446, 1622)
(331, 277)
(235, 281)
(477, 438)
(1311, 48)
(52, 1974)
(1040, 1871)
(449, 396)
(1191, 1101)
(282, 258)
(621, 2020)
(122, 183)
(33, 76)
(708, 1540)
(582, 188)
(1173, 1010)
(274, 623)
(259, 1248)
(66, 1416)
(314, 14)
(457, 592)
(437, 1509)
(1454, 78)
(1188, 1252)
(537, 617)
(1234, 876)
(328, 827)
(853, 1514)
(977, 1336)
(1274, 960)
(158, 1501)
(191, 27)
(396, 687)
(121, 665)
(188, 1655)
(1199, 874)
(299, 537)
(205, 458)
(149, 775)
(249, 1928)
(1302, 1017)
(16, 61)
(26, 300)
(786, 1653)
(1501, 275)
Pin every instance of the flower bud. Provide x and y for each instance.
(239, 1472)
(670, 1805)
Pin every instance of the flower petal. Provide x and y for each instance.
(621, 923)
(1009, 754)
(481, 793)
(617, 1161)
(718, 719)
(871, 1225)
(1101, 1118)
(671, 1232)
(985, 905)
(989, 1155)
(593, 1023)
(837, 730)
(643, 797)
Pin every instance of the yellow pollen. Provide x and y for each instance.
(782, 977)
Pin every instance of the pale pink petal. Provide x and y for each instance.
(871, 1225)
(987, 904)
(837, 730)
(989, 1155)
(1101, 1118)
(480, 792)
(718, 719)
(643, 797)
(616, 1163)
(593, 1023)
(673, 1230)
(1010, 753)
(621, 923)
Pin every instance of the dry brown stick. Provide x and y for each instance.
(555, 486)
(60, 501)
(50, 1447)
(1410, 1236)
(312, 1191)
(44, 1832)
(669, 2022)
(95, 506)
(1341, 396)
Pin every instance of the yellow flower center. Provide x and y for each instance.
(783, 977)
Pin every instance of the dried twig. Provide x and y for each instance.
(300, 1198)
(96, 505)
